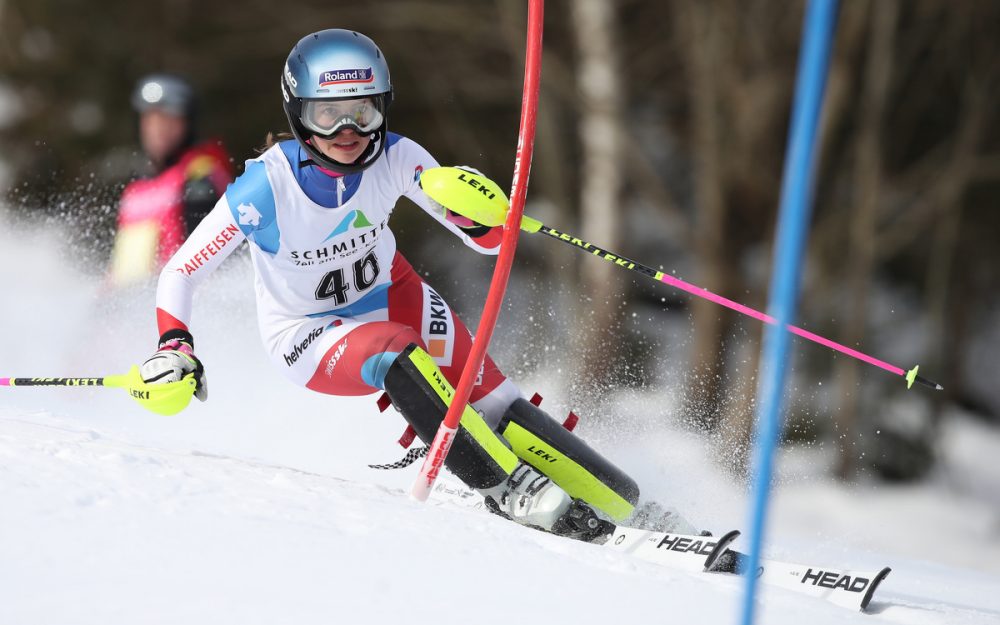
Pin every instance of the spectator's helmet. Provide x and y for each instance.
(332, 80)
(173, 95)
(168, 92)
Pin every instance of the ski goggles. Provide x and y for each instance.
(328, 117)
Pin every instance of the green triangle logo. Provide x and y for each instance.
(360, 220)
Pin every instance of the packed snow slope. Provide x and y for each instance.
(258, 506)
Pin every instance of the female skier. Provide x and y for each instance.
(342, 312)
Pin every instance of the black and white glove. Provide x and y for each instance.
(173, 360)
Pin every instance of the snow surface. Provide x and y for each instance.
(258, 507)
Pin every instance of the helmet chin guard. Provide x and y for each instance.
(336, 64)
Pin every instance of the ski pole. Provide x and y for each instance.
(472, 195)
(164, 399)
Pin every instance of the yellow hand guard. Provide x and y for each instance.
(471, 195)
(163, 399)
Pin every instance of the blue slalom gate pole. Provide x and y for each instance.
(796, 200)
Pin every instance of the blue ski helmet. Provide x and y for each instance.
(342, 67)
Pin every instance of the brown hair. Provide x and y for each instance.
(272, 139)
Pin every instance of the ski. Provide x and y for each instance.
(680, 551)
(847, 588)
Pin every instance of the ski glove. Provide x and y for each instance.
(173, 360)
(472, 228)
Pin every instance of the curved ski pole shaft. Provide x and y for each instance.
(533, 225)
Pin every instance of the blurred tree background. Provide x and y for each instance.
(661, 134)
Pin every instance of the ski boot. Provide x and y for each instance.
(529, 498)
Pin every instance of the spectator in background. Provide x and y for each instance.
(183, 182)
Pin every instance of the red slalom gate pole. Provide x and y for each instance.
(498, 286)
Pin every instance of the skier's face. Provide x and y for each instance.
(345, 147)
(161, 133)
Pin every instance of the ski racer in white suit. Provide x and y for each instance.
(342, 312)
